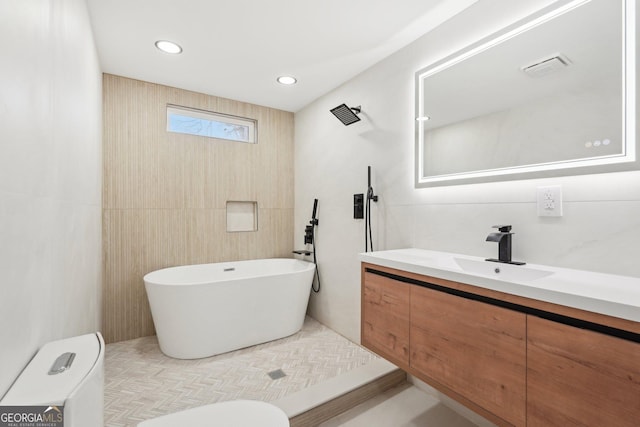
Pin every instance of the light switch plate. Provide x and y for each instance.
(549, 200)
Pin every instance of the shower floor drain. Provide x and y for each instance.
(277, 374)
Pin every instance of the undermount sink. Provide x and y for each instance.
(516, 273)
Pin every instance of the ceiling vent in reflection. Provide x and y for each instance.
(547, 66)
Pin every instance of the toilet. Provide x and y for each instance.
(234, 413)
(66, 377)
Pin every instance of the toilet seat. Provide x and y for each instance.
(235, 413)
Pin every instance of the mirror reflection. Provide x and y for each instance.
(545, 96)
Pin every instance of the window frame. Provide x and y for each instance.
(212, 116)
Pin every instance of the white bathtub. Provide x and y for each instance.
(208, 309)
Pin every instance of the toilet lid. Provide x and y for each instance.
(235, 413)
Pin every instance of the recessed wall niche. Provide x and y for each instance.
(242, 216)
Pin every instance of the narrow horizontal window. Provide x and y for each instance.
(210, 124)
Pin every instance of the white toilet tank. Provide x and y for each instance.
(67, 373)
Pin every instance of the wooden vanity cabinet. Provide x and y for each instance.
(477, 350)
(516, 361)
(385, 318)
(578, 377)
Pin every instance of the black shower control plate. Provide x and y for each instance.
(358, 206)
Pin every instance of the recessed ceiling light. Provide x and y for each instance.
(168, 47)
(287, 80)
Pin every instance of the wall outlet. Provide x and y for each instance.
(550, 201)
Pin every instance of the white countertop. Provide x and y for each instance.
(609, 294)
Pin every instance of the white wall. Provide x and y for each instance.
(50, 178)
(600, 229)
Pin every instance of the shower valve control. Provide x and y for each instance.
(358, 206)
(308, 235)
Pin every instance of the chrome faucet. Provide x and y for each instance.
(503, 237)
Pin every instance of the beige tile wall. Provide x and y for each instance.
(164, 194)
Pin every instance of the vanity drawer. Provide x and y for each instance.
(477, 350)
(580, 377)
(385, 318)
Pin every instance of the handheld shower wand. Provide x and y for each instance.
(370, 195)
(368, 237)
(314, 221)
(309, 239)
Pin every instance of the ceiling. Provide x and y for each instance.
(237, 48)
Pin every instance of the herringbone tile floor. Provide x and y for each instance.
(143, 383)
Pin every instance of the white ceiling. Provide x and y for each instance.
(237, 48)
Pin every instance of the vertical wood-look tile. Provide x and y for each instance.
(164, 193)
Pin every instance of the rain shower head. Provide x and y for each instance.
(347, 115)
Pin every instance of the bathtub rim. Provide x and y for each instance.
(148, 280)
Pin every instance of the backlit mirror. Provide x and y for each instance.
(552, 95)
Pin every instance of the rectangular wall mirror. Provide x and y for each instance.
(552, 95)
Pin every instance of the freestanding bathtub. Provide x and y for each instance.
(207, 309)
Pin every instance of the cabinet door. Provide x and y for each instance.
(385, 318)
(475, 349)
(577, 377)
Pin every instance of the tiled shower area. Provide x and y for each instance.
(143, 383)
